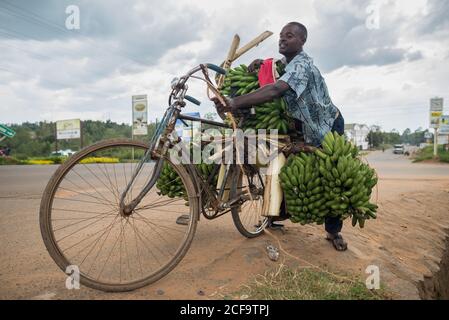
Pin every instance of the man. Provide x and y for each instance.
(307, 98)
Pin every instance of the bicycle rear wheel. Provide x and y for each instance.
(248, 215)
(82, 224)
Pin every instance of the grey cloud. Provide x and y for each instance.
(436, 19)
(415, 55)
(115, 37)
(343, 39)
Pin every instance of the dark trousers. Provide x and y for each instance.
(334, 225)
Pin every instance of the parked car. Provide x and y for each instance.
(398, 149)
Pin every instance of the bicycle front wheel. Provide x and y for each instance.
(82, 224)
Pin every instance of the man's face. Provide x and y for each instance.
(290, 40)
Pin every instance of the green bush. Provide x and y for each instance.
(427, 154)
(9, 161)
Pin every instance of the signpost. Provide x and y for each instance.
(436, 111)
(6, 132)
(140, 117)
(68, 129)
(444, 125)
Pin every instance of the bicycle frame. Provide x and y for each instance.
(163, 139)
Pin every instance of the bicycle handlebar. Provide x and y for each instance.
(180, 83)
(216, 68)
(192, 99)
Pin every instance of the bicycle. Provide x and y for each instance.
(121, 239)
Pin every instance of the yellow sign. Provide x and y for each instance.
(436, 111)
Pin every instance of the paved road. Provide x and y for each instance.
(390, 165)
(27, 271)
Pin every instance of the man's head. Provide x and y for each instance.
(292, 38)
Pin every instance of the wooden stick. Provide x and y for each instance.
(227, 63)
(253, 43)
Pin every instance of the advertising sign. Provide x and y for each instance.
(444, 125)
(140, 115)
(68, 129)
(436, 111)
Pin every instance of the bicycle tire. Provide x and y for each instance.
(258, 221)
(62, 261)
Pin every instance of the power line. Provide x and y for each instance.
(41, 21)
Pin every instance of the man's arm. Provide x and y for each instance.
(262, 95)
(266, 93)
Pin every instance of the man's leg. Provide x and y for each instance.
(334, 225)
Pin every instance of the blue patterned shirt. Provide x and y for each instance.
(308, 98)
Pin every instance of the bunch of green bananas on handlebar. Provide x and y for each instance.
(170, 184)
(332, 182)
(271, 115)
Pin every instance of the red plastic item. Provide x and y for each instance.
(266, 73)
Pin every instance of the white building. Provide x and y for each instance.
(358, 135)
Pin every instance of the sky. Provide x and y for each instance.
(378, 71)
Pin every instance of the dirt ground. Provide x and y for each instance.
(406, 242)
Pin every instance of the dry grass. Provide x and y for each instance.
(285, 283)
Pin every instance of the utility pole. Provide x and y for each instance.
(435, 143)
(56, 137)
(436, 111)
(81, 135)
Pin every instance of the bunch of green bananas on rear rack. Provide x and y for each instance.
(331, 182)
(170, 184)
(271, 115)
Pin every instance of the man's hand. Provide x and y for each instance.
(221, 108)
(253, 66)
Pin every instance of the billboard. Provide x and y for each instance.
(140, 115)
(444, 125)
(436, 111)
(68, 129)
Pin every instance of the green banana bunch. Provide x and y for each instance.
(169, 183)
(272, 115)
(303, 190)
(239, 81)
(347, 181)
(332, 182)
(280, 68)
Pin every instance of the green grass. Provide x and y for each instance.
(286, 283)
(427, 154)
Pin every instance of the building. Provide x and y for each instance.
(358, 135)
